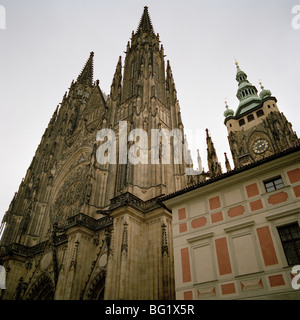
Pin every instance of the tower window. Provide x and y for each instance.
(274, 184)
(290, 239)
(241, 122)
(260, 113)
(250, 117)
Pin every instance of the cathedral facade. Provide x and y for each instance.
(80, 228)
(86, 223)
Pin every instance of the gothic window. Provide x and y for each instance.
(250, 117)
(132, 69)
(260, 113)
(131, 88)
(290, 239)
(241, 122)
(41, 289)
(274, 184)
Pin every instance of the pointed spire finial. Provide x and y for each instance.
(199, 161)
(212, 159)
(115, 89)
(87, 73)
(260, 83)
(227, 163)
(145, 24)
(207, 133)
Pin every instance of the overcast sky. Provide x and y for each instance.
(46, 44)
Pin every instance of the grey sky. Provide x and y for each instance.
(46, 44)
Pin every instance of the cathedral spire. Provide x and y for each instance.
(247, 92)
(170, 84)
(227, 163)
(145, 24)
(115, 89)
(212, 159)
(87, 73)
(199, 161)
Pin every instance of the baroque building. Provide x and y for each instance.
(237, 234)
(87, 223)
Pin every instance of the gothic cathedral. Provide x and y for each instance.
(79, 229)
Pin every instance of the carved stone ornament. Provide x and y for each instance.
(46, 261)
(103, 260)
(70, 195)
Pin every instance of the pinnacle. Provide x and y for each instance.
(118, 73)
(87, 73)
(145, 24)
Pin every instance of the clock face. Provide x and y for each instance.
(260, 146)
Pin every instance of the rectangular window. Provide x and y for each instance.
(260, 113)
(241, 122)
(274, 184)
(290, 239)
(250, 117)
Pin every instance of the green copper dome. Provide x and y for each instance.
(247, 93)
(264, 92)
(228, 112)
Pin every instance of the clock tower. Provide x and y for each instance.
(257, 129)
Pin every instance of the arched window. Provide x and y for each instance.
(132, 69)
(41, 289)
